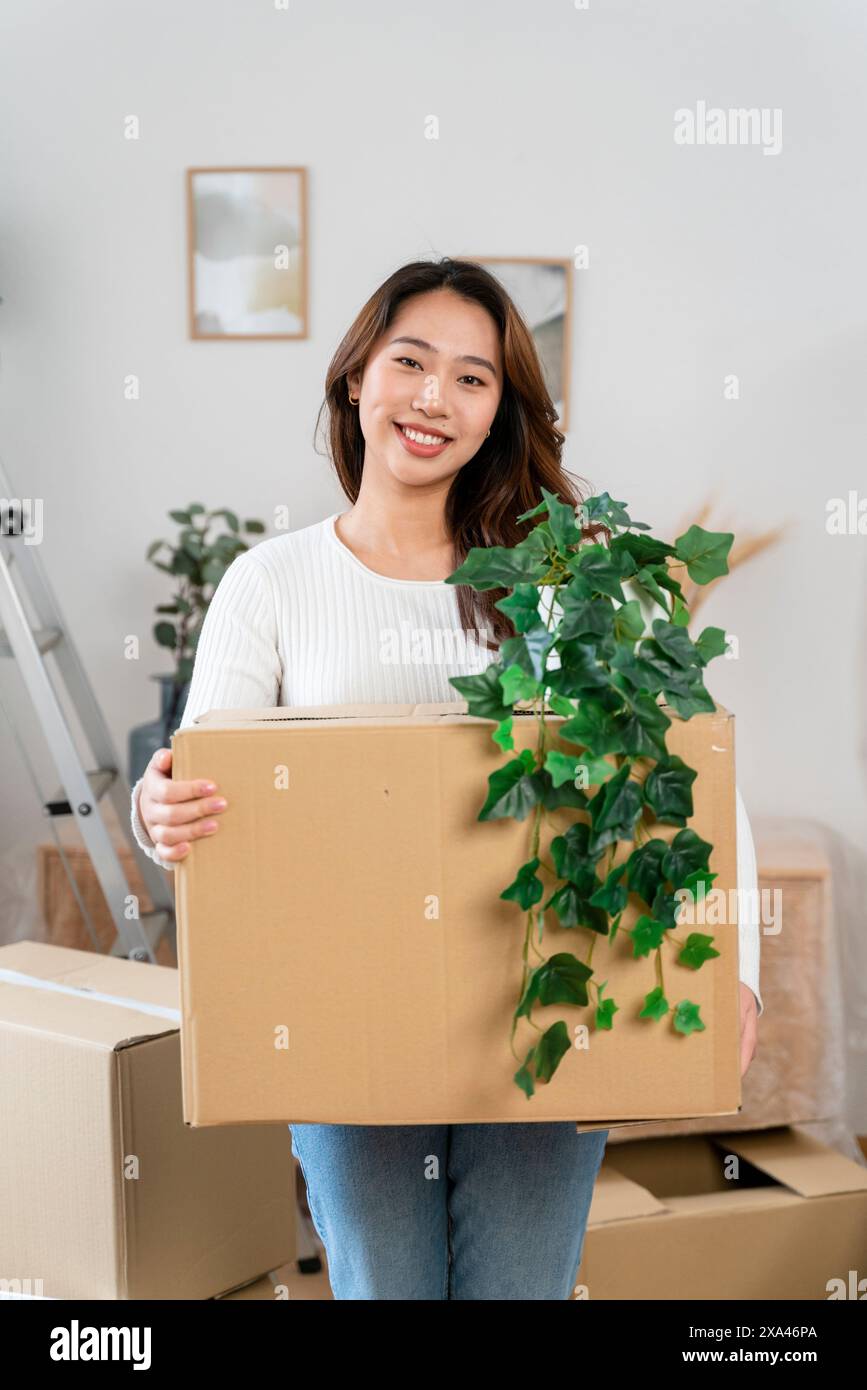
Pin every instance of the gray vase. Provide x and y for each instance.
(145, 739)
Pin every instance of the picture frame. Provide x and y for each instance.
(542, 289)
(247, 252)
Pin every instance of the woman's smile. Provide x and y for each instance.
(415, 446)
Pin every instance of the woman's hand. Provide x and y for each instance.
(174, 813)
(749, 1026)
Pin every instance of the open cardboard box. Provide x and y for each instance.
(106, 1194)
(768, 1215)
(345, 956)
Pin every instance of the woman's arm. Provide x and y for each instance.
(237, 663)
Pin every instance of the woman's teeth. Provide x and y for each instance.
(422, 438)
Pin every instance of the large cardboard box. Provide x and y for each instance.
(775, 1215)
(105, 1193)
(345, 956)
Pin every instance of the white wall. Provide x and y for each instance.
(556, 128)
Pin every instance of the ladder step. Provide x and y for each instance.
(45, 638)
(100, 780)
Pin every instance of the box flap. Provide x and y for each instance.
(618, 1198)
(437, 710)
(86, 997)
(797, 1160)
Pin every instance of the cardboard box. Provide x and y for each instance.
(667, 1222)
(106, 1194)
(318, 982)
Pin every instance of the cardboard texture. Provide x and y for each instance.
(673, 1219)
(90, 1085)
(345, 956)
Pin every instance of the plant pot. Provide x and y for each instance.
(145, 739)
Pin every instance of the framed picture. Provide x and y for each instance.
(247, 253)
(542, 290)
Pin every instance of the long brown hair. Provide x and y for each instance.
(505, 476)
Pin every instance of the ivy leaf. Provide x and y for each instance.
(642, 731)
(550, 1050)
(592, 617)
(517, 685)
(711, 642)
(538, 642)
(613, 896)
(644, 869)
(655, 1004)
(571, 860)
(687, 852)
(675, 642)
(614, 810)
(573, 909)
(498, 567)
(665, 907)
(696, 700)
(563, 521)
(687, 1018)
(483, 693)
(555, 797)
(647, 935)
(696, 885)
(165, 635)
(521, 607)
(524, 1077)
(579, 670)
(605, 1013)
(602, 509)
(567, 767)
(646, 581)
(593, 727)
(697, 950)
(527, 888)
(502, 735)
(668, 790)
(594, 564)
(513, 791)
(644, 550)
(705, 553)
(561, 980)
(629, 621)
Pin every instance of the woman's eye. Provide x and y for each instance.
(416, 364)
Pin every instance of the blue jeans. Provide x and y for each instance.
(474, 1211)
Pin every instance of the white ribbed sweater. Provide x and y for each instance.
(300, 620)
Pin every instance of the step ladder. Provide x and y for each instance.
(81, 793)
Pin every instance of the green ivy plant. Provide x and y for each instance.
(199, 563)
(607, 687)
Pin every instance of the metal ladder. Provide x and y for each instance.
(81, 791)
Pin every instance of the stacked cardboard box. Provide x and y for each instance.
(106, 1193)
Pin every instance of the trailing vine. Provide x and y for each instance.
(607, 688)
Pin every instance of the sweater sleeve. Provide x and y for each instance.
(237, 663)
(749, 917)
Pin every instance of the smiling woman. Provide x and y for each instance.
(441, 433)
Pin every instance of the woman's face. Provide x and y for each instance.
(447, 382)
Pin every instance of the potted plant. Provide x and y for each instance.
(607, 685)
(197, 560)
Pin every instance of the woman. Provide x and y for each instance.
(441, 433)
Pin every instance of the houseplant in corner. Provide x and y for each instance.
(198, 562)
(606, 684)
